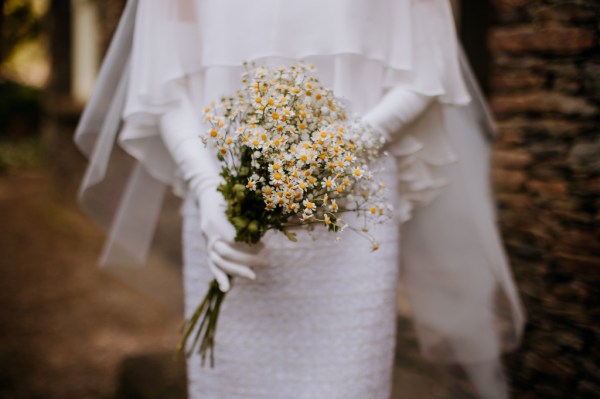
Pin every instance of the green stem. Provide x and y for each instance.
(188, 325)
(204, 323)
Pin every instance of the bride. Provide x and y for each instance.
(310, 319)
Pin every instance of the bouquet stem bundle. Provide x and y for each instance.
(207, 314)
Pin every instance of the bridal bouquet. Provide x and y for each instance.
(290, 157)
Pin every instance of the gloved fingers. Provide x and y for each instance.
(238, 254)
(225, 229)
(217, 226)
(213, 221)
(231, 268)
(220, 276)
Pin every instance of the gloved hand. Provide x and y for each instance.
(225, 256)
(397, 109)
(180, 130)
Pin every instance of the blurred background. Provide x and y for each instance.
(71, 330)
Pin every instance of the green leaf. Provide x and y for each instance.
(253, 226)
(291, 236)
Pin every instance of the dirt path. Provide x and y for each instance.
(64, 324)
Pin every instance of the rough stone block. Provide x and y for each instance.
(516, 81)
(572, 216)
(587, 188)
(512, 200)
(579, 240)
(509, 5)
(583, 265)
(511, 159)
(541, 103)
(591, 80)
(509, 180)
(550, 126)
(565, 13)
(585, 156)
(588, 389)
(552, 189)
(553, 39)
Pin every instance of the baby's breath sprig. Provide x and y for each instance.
(291, 157)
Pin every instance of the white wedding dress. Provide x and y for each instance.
(319, 321)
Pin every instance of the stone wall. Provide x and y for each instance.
(545, 86)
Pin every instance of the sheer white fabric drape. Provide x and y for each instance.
(457, 276)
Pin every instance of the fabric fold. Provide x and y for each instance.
(423, 151)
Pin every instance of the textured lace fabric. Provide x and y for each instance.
(317, 323)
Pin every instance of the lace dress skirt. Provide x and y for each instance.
(317, 323)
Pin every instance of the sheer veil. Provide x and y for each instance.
(457, 278)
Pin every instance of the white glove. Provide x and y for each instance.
(397, 109)
(180, 130)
